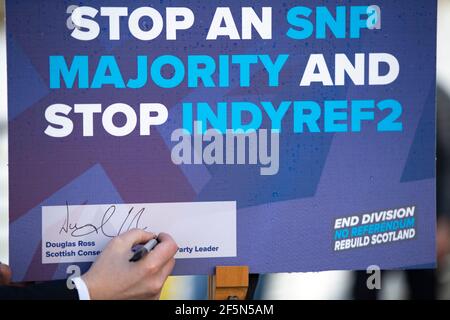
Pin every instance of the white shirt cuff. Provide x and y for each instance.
(83, 292)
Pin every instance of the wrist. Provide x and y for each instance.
(91, 286)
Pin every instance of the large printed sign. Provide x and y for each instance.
(286, 136)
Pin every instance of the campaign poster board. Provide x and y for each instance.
(286, 136)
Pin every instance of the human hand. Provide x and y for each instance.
(112, 276)
(5, 275)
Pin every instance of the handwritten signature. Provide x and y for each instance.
(76, 230)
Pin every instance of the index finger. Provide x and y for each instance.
(136, 236)
(163, 252)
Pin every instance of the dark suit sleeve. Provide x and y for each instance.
(50, 290)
